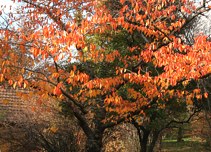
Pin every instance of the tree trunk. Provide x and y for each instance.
(94, 144)
(144, 140)
(180, 134)
(155, 135)
(143, 135)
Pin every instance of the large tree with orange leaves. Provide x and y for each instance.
(107, 59)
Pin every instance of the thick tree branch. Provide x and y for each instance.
(82, 121)
(74, 101)
(182, 121)
(180, 82)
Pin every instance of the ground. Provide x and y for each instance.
(188, 145)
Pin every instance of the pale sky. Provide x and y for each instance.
(8, 4)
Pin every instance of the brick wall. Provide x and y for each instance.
(11, 105)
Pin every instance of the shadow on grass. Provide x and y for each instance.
(185, 146)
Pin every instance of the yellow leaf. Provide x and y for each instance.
(55, 75)
(14, 85)
(189, 101)
(1, 77)
(24, 85)
(5, 101)
(22, 70)
(171, 92)
(53, 129)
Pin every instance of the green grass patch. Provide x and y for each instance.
(184, 139)
(188, 145)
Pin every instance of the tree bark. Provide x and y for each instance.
(94, 144)
(144, 140)
(180, 134)
(155, 135)
(144, 137)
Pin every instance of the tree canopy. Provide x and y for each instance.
(109, 59)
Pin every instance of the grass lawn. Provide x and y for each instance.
(188, 145)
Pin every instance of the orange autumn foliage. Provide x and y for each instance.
(36, 46)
